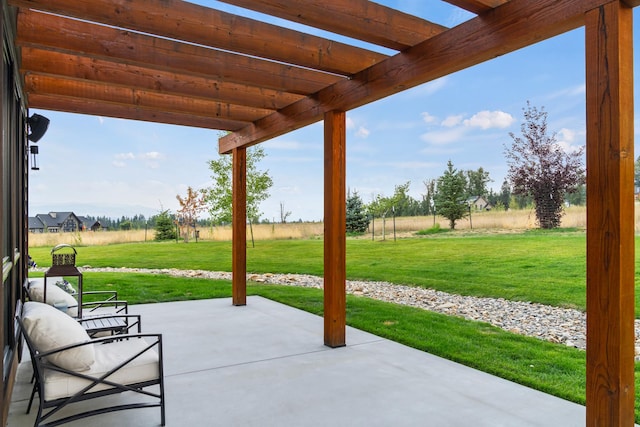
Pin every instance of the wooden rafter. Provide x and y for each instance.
(192, 23)
(124, 47)
(145, 99)
(106, 109)
(68, 66)
(507, 28)
(359, 19)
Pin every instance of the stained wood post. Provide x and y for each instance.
(335, 212)
(610, 216)
(239, 227)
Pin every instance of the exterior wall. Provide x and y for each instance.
(13, 206)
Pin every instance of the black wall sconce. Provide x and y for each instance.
(34, 154)
(38, 125)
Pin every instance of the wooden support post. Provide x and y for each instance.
(239, 238)
(610, 216)
(335, 212)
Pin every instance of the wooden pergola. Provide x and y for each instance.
(175, 62)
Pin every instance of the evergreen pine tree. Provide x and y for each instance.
(450, 198)
(357, 220)
(165, 228)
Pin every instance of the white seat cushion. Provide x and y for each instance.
(54, 294)
(143, 368)
(49, 329)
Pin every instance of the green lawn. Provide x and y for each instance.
(536, 266)
(542, 267)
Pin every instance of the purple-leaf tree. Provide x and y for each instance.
(541, 168)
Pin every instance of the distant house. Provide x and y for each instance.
(89, 224)
(35, 225)
(479, 203)
(55, 222)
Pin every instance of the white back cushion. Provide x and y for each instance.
(54, 294)
(49, 328)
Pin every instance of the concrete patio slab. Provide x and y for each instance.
(265, 364)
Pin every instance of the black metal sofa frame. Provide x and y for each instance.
(42, 368)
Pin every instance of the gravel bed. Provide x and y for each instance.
(557, 325)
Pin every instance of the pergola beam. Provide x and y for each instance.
(192, 23)
(98, 42)
(144, 99)
(610, 216)
(120, 111)
(359, 19)
(509, 27)
(82, 68)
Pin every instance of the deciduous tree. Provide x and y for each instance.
(190, 207)
(477, 182)
(539, 167)
(428, 198)
(505, 194)
(219, 196)
(284, 214)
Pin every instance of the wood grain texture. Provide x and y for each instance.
(192, 23)
(151, 100)
(359, 19)
(335, 274)
(65, 35)
(239, 228)
(610, 218)
(69, 66)
(99, 108)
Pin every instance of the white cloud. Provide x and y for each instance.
(452, 121)
(362, 132)
(350, 123)
(443, 137)
(568, 140)
(455, 127)
(427, 89)
(151, 155)
(490, 119)
(428, 118)
(567, 135)
(434, 86)
(125, 156)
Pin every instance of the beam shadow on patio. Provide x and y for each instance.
(264, 364)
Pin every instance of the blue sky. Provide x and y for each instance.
(103, 166)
